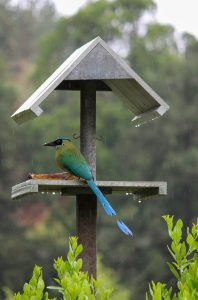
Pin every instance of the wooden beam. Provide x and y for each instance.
(77, 85)
(86, 205)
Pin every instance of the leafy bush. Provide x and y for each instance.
(184, 266)
(33, 290)
(72, 283)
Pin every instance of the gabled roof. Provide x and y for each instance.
(97, 61)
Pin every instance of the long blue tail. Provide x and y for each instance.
(107, 207)
(103, 201)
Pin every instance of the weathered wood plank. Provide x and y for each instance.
(98, 64)
(142, 189)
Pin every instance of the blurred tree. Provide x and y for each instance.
(21, 27)
(165, 149)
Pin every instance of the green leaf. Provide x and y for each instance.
(78, 265)
(177, 231)
(46, 297)
(73, 243)
(171, 252)
(190, 239)
(51, 287)
(195, 229)
(150, 289)
(173, 270)
(183, 249)
(70, 257)
(179, 223)
(169, 222)
(37, 271)
(79, 250)
(64, 283)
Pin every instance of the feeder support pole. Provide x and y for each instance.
(86, 206)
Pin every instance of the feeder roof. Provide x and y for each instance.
(97, 61)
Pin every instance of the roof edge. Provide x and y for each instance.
(149, 116)
(26, 115)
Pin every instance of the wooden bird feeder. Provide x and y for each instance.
(93, 67)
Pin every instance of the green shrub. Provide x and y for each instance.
(184, 266)
(33, 290)
(72, 283)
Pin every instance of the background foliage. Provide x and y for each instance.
(184, 252)
(34, 40)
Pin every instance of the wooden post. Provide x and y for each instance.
(86, 206)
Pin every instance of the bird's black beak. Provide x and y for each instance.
(53, 144)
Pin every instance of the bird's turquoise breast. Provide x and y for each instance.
(73, 161)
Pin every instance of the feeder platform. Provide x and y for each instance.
(140, 189)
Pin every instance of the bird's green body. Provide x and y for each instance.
(69, 158)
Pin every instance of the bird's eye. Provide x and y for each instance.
(59, 142)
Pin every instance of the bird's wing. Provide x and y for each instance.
(77, 165)
(81, 170)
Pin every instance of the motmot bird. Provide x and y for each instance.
(69, 158)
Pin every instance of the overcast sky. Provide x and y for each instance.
(183, 14)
